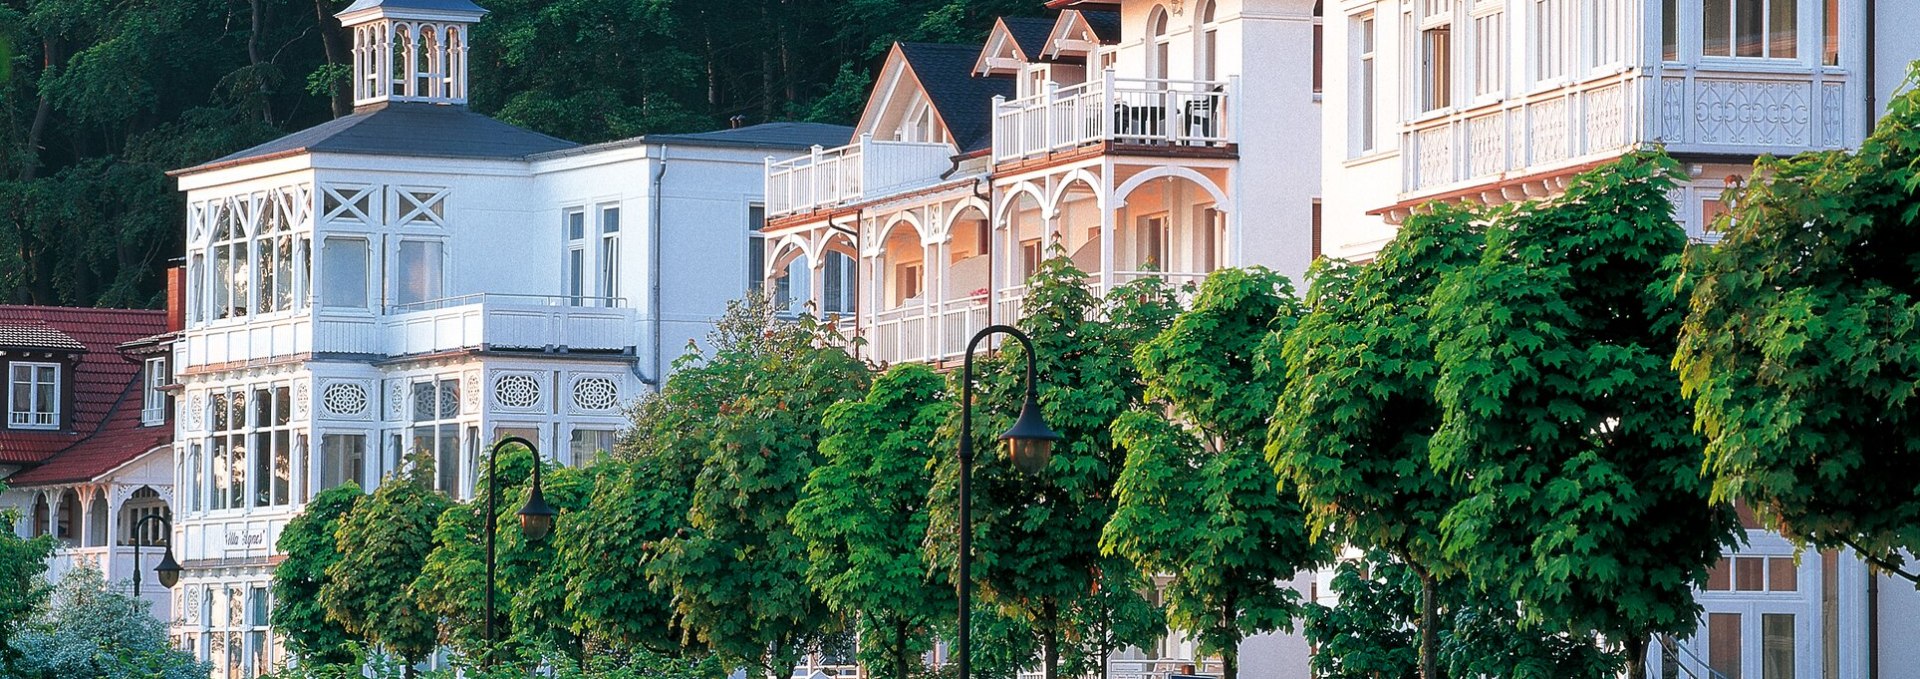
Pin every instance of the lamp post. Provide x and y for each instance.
(1029, 447)
(536, 518)
(168, 569)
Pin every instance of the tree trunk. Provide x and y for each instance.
(1050, 640)
(1429, 625)
(330, 41)
(50, 59)
(258, 10)
(1636, 656)
(1230, 653)
(900, 653)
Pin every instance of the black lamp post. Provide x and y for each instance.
(1029, 447)
(536, 518)
(168, 570)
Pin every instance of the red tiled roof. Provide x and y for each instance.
(106, 431)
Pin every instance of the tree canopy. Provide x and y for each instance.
(1797, 351)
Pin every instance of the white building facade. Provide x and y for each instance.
(1492, 101)
(419, 279)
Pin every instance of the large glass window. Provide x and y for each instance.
(343, 458)
(1723, 644)
(1760, 29)
(586, 443)
(272, 446)
(33, 401)
(260, 258)
(253, 450)
(1436, 63)
(1489, 41)
(1776, 646)
(344, 266)
(436, 430)
(1161, 51)
(1552, 48)
(421, 273)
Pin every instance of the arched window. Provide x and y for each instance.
(1160, 47)
(1207, 48)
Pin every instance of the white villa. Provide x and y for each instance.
(1501, 100)
(417, 276)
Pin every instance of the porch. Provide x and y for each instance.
(1137, 111)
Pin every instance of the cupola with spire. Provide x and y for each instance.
(410, 50)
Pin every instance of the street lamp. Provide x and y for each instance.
(168, 570)
(1029, 446)
(536, 518)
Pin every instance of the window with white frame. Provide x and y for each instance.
(421, 275)
(839, 280)
(343, 459)
(252, 448)
(1207, 45)
(1436, 65)
(1552, 46)
(609, 253)
(1160, 46)
(1670, 30)
(33, 401)
(574, 222)
(257, 257)
(1319, 47)
(1754, 29)
(756, 248)
(1605, 28)
(436, 430)
(586, 443)
(153, 409)
(1363, 82)
(344, 263)
(1489, 48)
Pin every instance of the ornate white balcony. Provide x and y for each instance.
(1113, 109)
(828, 178)
(1524, 134)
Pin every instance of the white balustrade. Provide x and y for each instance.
(524, 322)
(1524, 134)
(1121, 110)
(831, 177)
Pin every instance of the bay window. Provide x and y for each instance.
(343, 270)
(252, 450)
(257, 257)
(436, 430)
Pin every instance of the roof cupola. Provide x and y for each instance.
(410, 50)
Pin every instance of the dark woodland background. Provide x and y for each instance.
(99, 98)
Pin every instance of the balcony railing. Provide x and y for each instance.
(1122, 110)
(1524, 134)
(492, 321)
(827, 178)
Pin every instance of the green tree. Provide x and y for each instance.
(1037, 536)
(529, 598)
(864, 517)
(87, 630)
(1562, 419)
(1196, 499)
(1358, 412)
(1796, 349)
(308, 541)
(1371, 632)
(383, 541)
(22, 562)
(1114, 616)
(737, 572)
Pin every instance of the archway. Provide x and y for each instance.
(1171, 221)
(903, 266)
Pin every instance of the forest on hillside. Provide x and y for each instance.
(99, 98)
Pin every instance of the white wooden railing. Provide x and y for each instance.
(1125, 110)
(490, 321)
(830, 177)
(1524, 134)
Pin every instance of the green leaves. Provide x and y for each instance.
(1195, 501)
(1797, 351)
(308, 541)
(1560, 420)
(382, 543)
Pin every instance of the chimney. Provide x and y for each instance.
(737, 122)
(176, 298)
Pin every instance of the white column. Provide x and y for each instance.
(1109, 203)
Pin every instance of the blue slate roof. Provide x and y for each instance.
(1029, 34)
(408, 129)
(965, 102)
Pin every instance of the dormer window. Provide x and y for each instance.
(153, 411)
(33, 397)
